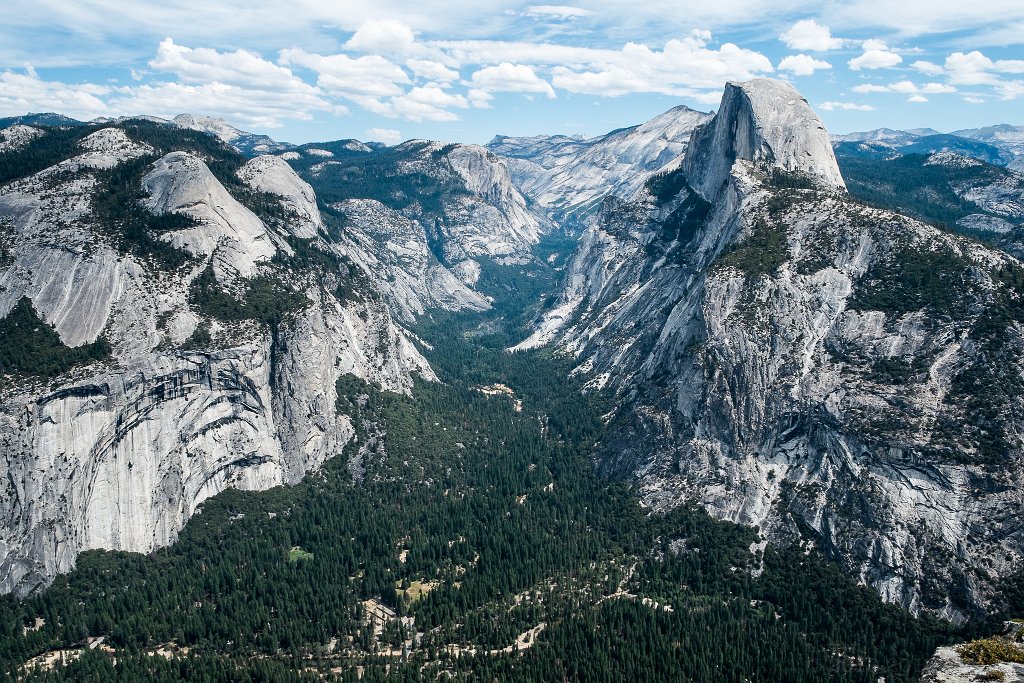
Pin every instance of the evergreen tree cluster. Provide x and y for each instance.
(480, 519)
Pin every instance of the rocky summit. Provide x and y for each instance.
(801, 362)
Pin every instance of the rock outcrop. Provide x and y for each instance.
(119, 453)
(762, 121)
(226, 230)
(569, 176)
(948, 665)
(793, 360)
(274, 176)
(14, 137)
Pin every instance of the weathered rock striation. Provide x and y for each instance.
(794, 360)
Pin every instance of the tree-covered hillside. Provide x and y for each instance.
(940, 193)
(463, 535)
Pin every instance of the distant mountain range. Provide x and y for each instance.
(1001, 144)
(250, 144)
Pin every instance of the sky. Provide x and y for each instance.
(465, 70)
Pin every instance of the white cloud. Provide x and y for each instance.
(429, 102)
(415, 110)
(368, 76)
(684, 68)
(117, 31)
(974, 68)
(507, 77)
(905, 87)
(383, 37)
(802, 65)
(480, 99)
(247, 107)
(244, 89)
(21, 93)
(431, 70)
(920, 17)
(917, 98)
(557, 11)
(808, 34)
(240, 85)
(845, 106)
(489, 52)
(1011, 90)
(927, 68)
(388, 136)
(434, 94)
(205, 65)
(876, 55)
(870, 87)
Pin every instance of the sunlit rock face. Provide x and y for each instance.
(120, 453)
(774, 358)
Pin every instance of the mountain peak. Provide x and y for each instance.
(764, 121)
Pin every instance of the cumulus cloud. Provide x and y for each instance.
(917, 98)
(393, 64)
(845, 106)
(384, 37)
(240, 86)
(480, 99)
(933, 88)
(508, 77)
(810, 35)
(369, 76)
(802, 65)
(388, 136)
(253, 108)
(974, 68)
(23, 92)
(684, 68)
(428, 103)
(870, 88)
(927, 68)
(205, 65)
(877, 55)
(489, 52)
(431, 70)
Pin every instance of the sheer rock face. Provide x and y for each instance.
(395, 249)
(481, 214)
(774, 358)
(570, 176)
(228, 231)
(120, 453)
(72, 278)
(496, 222)
(763, 121)
(273, 175)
